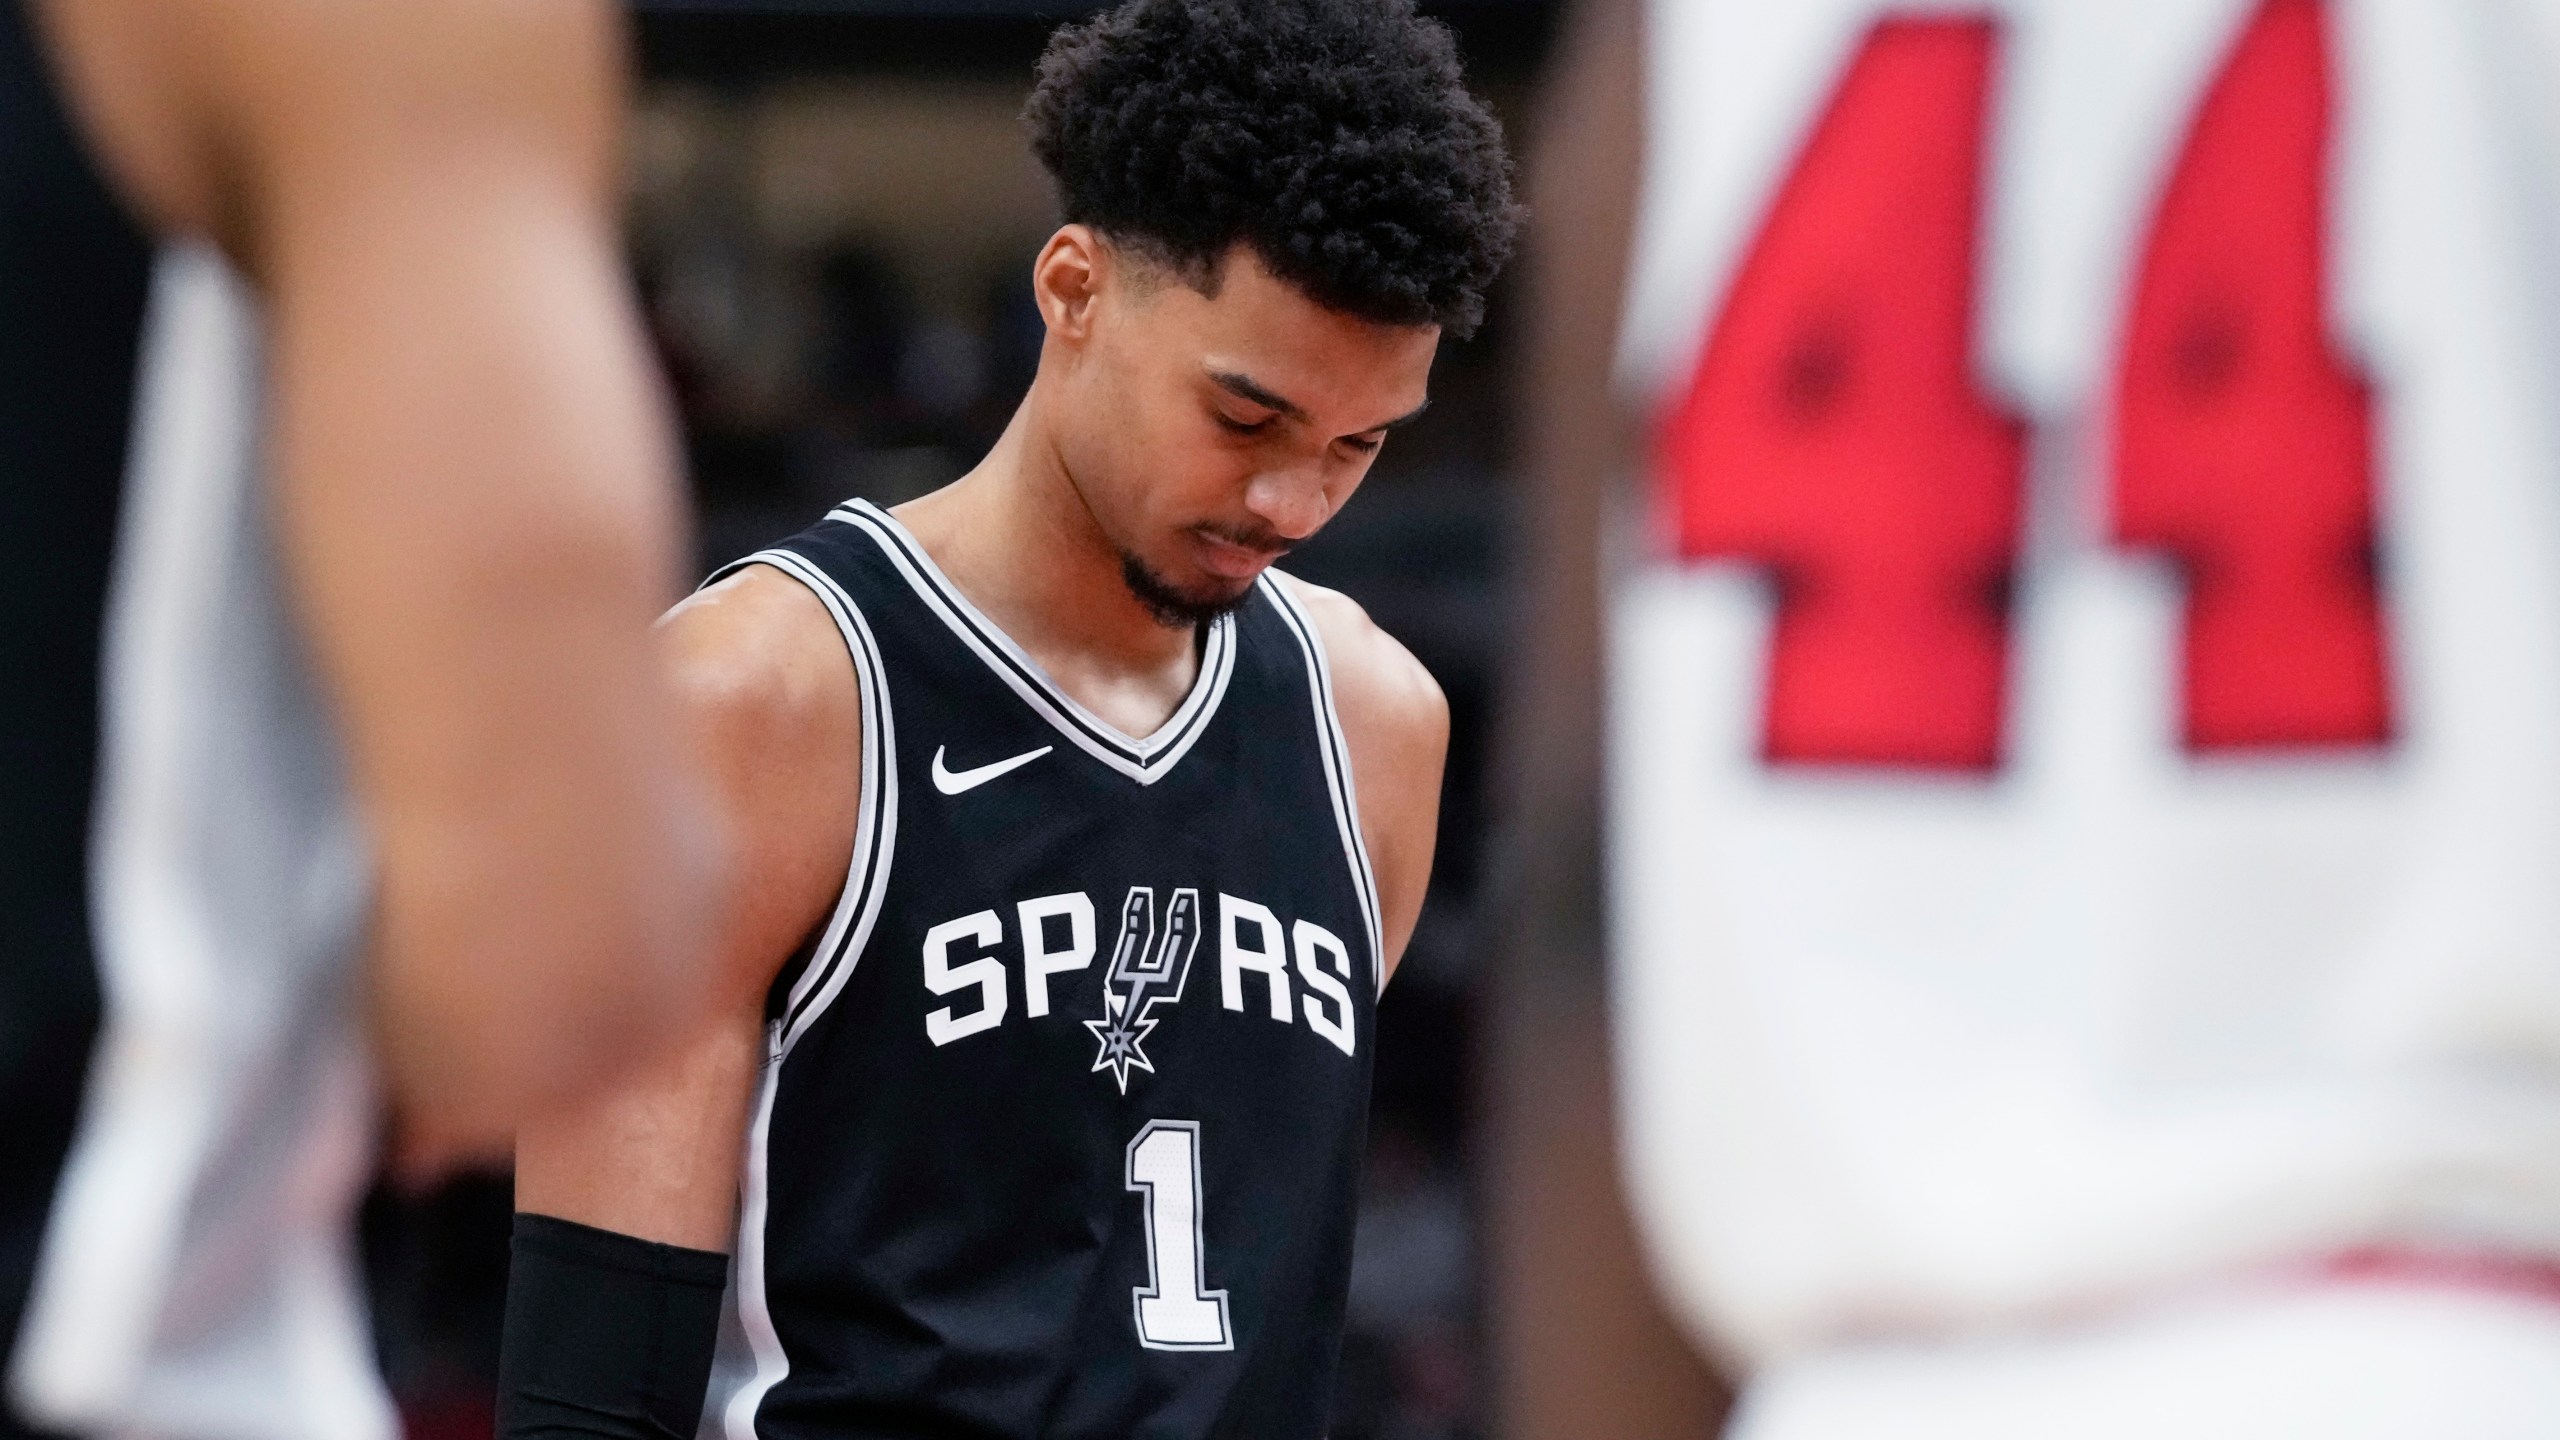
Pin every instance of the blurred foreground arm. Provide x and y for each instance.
(473, 478)
(1583, 1344)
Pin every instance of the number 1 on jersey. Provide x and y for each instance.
(1176, 1309)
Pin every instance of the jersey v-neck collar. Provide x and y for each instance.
(1143, 759)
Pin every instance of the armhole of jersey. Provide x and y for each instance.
(1336, 753)
(753, 1360)
(839, 945)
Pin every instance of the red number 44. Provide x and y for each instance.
(1834, 433)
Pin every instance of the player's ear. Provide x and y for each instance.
(1067, 281)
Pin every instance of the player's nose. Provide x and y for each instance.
(1295, 502)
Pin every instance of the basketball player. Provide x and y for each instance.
(2086, 720)
(1082, 841)
(334, 500)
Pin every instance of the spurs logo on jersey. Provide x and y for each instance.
(1148, 969)
(1145, 973)
(2086, 740)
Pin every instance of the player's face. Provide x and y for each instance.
(1209, 434)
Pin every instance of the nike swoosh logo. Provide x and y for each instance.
(952, 782)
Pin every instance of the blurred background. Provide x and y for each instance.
(833, 213)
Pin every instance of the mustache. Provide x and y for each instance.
(1261, 538)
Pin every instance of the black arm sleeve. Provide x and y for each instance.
(607, 1337)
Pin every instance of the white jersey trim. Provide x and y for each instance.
(1337, 769)
(839, 946)
(831, 964)
(753, 1311)
(1143, 760)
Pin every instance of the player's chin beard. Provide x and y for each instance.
(1172, 606)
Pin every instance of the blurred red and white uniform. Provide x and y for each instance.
(2085, 736)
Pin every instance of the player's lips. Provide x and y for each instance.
(1231, 559)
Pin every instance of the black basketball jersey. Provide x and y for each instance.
(1062, 1115)
(73, 272)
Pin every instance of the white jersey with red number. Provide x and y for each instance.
(2085, 735)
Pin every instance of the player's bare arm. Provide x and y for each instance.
(473, 480)
(763, 686)
(1396, 722)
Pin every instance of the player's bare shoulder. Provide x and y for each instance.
(763, 679)
(1396, 721)
(1379, 687)
(757, 653)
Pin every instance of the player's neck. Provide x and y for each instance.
(1016, 538)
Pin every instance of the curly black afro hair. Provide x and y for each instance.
(1336, 137)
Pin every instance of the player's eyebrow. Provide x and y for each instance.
(1245, 387)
